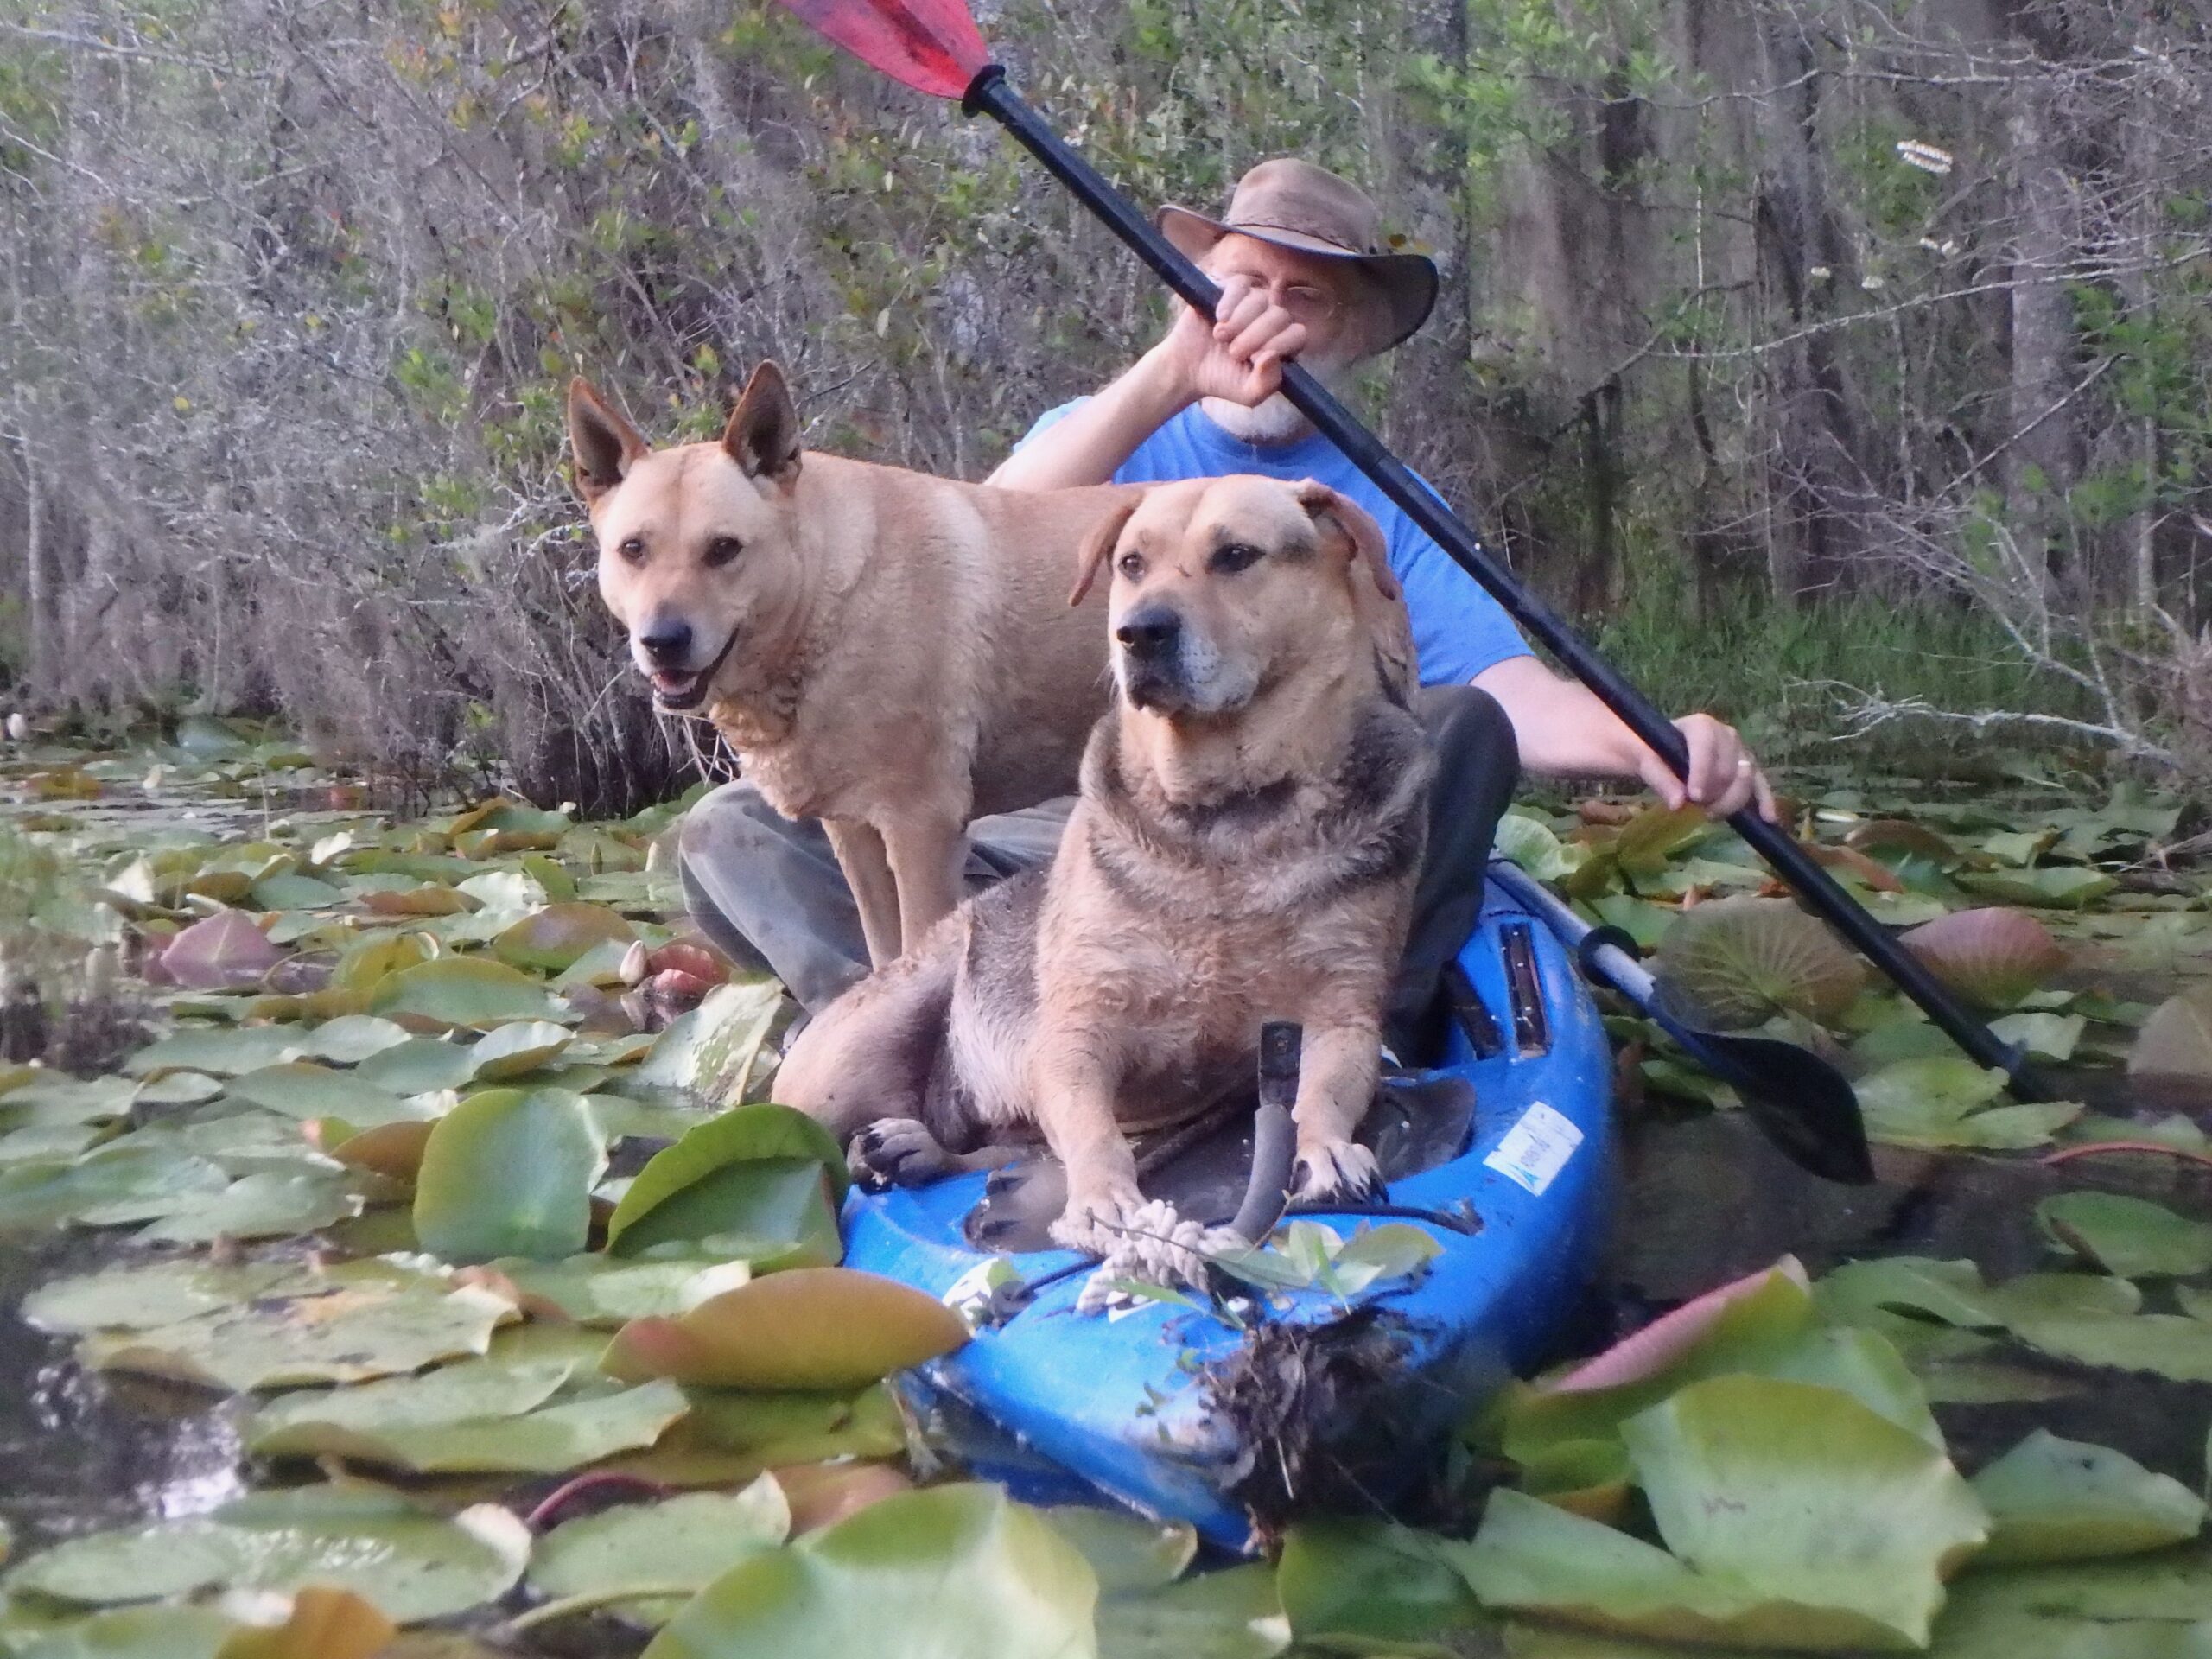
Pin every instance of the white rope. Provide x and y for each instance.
(1157, 1246)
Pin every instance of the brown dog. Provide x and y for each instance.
(1251, 820)
(888, 651)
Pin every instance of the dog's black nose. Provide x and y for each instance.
(667, 642)
(1149, 633)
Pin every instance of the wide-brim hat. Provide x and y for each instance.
(1296, 204)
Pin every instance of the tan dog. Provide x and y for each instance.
(888, 651)
(1251, 820)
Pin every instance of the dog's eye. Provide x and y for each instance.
(1237, 556)
(1130, 565)
(723, 550)
(634, 550)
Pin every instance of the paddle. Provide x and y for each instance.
(933, 45)
(1799, 1101)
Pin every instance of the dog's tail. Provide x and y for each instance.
(870, 1054)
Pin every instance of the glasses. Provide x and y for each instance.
(1306, 302)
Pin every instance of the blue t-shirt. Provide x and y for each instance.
(1459, 629)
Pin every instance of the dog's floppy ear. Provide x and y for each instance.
(762, 435)
(1099, 547)
(605, 445)
(1377, 598)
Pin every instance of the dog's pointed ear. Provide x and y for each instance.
(604, 445)
(763, 434)
(1099, 547)
(1377, 598)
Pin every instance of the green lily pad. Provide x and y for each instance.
(469, 993)
(955, 1570)
(1942, 1100)
(554, 938)
(2054, 1500)
(1126, 1552)
(420, 1065)
(732, 1436)
(510, 1171)
(2176, 1042)
(411, 1564)
(510, 1050)
(2055, 887)
(220, 1052)
(266, 1204)
(156, 1293)
(303, 1090)
(1234, 1614)
(111, 1186)
(352, 1038)
(827, 1328)
(354, 1330)
(293, 892)
(761, 1182)
(2132, 1238)
(1734, 962)
(1531, 843)
(676, 1547)
(599, 1290)
(1372, 1586)
(706, 1053)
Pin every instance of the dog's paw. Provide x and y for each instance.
(897, 1152)
(1096, 1224)
(1341, 1171)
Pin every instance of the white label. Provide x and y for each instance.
(1535, 1149)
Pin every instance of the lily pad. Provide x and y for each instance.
(599, 1290)
(674, 1548)
(266, 1204)
(1232, 1613)
(469, 993)
(420, 1065)
(762, 1182)
(220, 1052)
(510, 1050)
(2054, 1500)
(2176, 1042)
(409, 1564)
(706, 1053)
(300, 1090)
(351, 1331)
(819, 1328)
(552, 939)
(1371, 1586)
(510, 1171)
(352, 1038)
(955, 1570)
(2132, 1238)
(1994, 957)
(225, 952)
(731, 1437)
(1732, 962)
(111, 1186)
(143, 1297)
(1126, 1552)
(2056, 886)
(1943, 1100)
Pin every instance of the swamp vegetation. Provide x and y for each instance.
(375, 1285)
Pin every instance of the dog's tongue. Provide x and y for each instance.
(673, 685)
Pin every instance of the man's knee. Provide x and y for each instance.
(1467, 726)
(724, 816)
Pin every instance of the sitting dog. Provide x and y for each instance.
(1250, 823)
(885, 651)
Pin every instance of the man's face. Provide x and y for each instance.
(1325, 296)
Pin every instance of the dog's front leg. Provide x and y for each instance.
(1337, 1072)
(929, 857)
(861, 854)
(1076, 1074)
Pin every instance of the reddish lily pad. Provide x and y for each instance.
(811, 1328)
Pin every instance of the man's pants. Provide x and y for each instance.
(768, 891)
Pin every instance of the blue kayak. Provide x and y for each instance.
(1503, 1154)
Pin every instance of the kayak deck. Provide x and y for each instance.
(1174, 1410)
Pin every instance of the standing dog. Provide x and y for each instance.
(885, 651)
(1250, 825)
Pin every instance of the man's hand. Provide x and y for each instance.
(1238, 357)
(1724, 777)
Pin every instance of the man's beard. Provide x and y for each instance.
(1276, 420)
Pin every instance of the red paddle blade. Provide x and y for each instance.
(932, 45)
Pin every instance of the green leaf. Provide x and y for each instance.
(468, 993)
(687, 1542)
(955, 1571)
(509, 1171)
(1127, 1553)
(1531, 843)
(827, 1328)
(220, 1052)
(411, 1564)
(510, 1050)
(139, 1298)
(420, 1065)
(1800, 1493)
(1942, 1100)
(2056, 886)
(1731, 962)
(356, 1327)
(2052, 1036)
(2176, 1042)
(267, 1205)
(706, 1051)
(2132, 1238)
(731, 1436)
(1371, 1586)
(112, 1186)
(553, 939)
(2054, 1500)
(598, 1290)
(762, 1181)
(303, 1090)
(1231, 1613)
(352, 1038)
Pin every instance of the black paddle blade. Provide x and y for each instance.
(929, 45)
(1801, 1102)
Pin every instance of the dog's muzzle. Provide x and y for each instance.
(677, 688)
(1148, 643)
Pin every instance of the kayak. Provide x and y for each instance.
(1233, 1420)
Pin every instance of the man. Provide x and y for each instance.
(1302, 275)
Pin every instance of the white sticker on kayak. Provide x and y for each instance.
(1535, 1149)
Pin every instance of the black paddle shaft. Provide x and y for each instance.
(991, 94)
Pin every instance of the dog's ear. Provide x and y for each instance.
(762, 435)
(1099, 547)
(1377, 600)
(605, 445)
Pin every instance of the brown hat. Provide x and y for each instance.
(1294, 204)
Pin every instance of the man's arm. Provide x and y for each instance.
(1239, 357)
(1564, 731)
